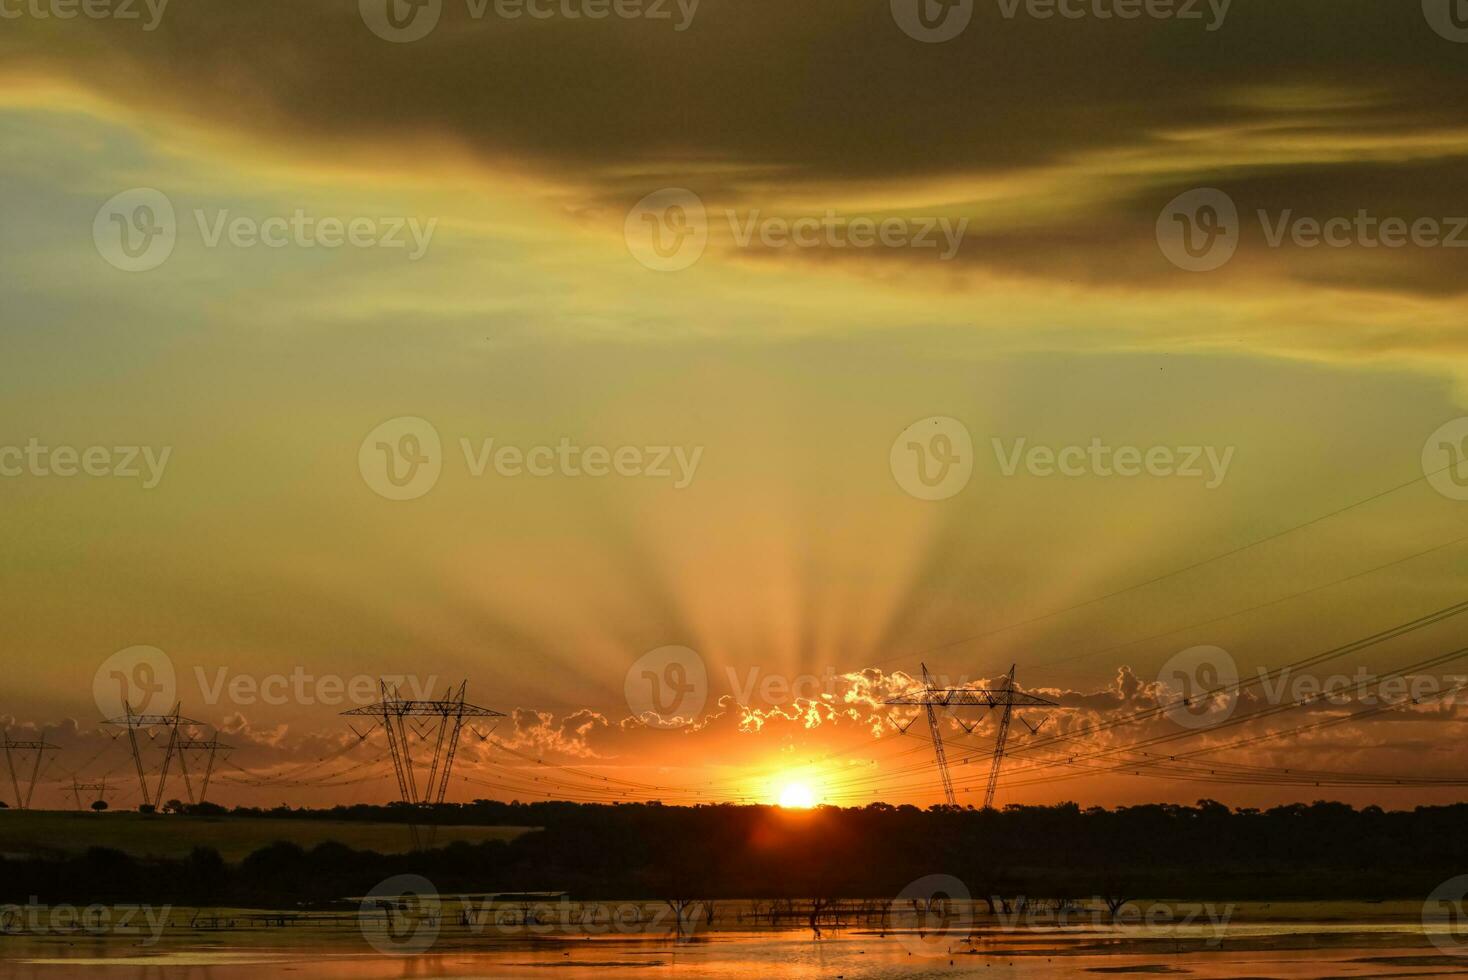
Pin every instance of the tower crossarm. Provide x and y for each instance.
(424, 709)
(450, 711)
(976, 697)
(149, 721)
(931, 698)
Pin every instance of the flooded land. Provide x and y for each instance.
(1257, 940)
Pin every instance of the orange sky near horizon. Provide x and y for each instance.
(523, 351)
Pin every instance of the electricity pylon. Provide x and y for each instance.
(392, 711)
(142, 722)
(77, 789)
(212, 746)
(932, 698)
(1009, 700)
(40, 747)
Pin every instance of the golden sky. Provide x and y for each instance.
(773, 374)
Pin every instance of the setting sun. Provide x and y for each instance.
(797, 796)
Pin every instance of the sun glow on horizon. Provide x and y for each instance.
(797, 796)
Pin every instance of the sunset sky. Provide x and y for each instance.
(772, 378)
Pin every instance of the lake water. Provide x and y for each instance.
(1252, 944)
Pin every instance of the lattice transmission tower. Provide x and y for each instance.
(13, 747)
(931, 698)
(78, 788)
(149, 726)
(393, 713)
(211, 746)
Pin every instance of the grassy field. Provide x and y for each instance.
(43, 832)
